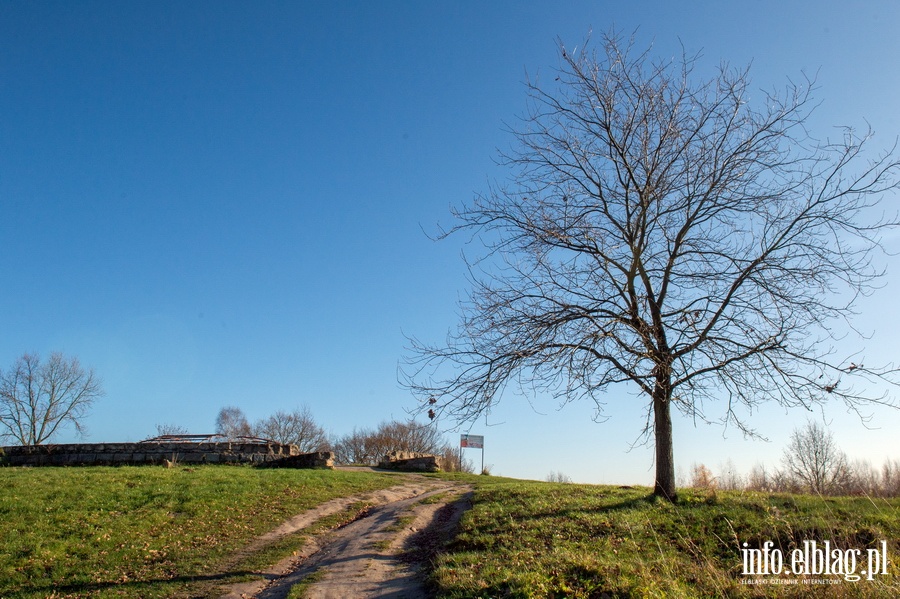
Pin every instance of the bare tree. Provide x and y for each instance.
(453, 460)
(669, 233)
(862, 479)
(170, 429)
(355, 448)
(759, 479)
(36, 397)
(296, 428)
(729, 478)
(890, 478)
(366, 446)
(558, 477)
(231, 423)
(814, 461)
(409, 436)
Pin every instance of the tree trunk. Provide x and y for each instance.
(665, 461)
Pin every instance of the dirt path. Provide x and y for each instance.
(381, 554)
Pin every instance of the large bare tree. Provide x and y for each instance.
(232, 423)
(297, 427)
(36, 397)
(678, 234)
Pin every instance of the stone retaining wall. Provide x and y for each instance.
(406, 460)
(95, 454)
(318, 459)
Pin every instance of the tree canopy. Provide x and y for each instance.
(683, 235)
(37, 397)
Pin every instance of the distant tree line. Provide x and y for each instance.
(363, 446)
(367, 446)
(40, 396)
(811, 462)
(297, 427)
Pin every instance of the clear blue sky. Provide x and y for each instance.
(223, 203)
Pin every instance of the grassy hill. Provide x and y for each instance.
(528, 539)
(147, 531)
(155, 532)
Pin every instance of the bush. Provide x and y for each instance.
(702, 477)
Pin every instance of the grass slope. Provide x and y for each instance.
(155, 532)
(145, 531)
(532, 539)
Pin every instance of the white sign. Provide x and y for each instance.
(474, 441)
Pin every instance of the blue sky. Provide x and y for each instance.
(223, 203)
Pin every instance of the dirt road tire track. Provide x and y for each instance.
(379, 555)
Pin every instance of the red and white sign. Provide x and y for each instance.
(473, 441)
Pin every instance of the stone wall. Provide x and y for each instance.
(95, 454)
(406, 460)
(318, 459)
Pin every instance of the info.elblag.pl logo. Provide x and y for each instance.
(827, 563)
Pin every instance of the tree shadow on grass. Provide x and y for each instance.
(184, 585)
(628, 503)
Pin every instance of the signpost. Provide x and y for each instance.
(475, 442)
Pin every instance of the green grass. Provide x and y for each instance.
(146, 531)
(154, 532)
(532, 539)
(298, 591)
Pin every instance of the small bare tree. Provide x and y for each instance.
(890, 478)
(558, 477)
(813, 461)
(759, 479)
(453, 460)
(669, 233)
(169, 428)
(295, 428)
(862, 479)
(231, 423)
(37, 398)
(729, 478)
